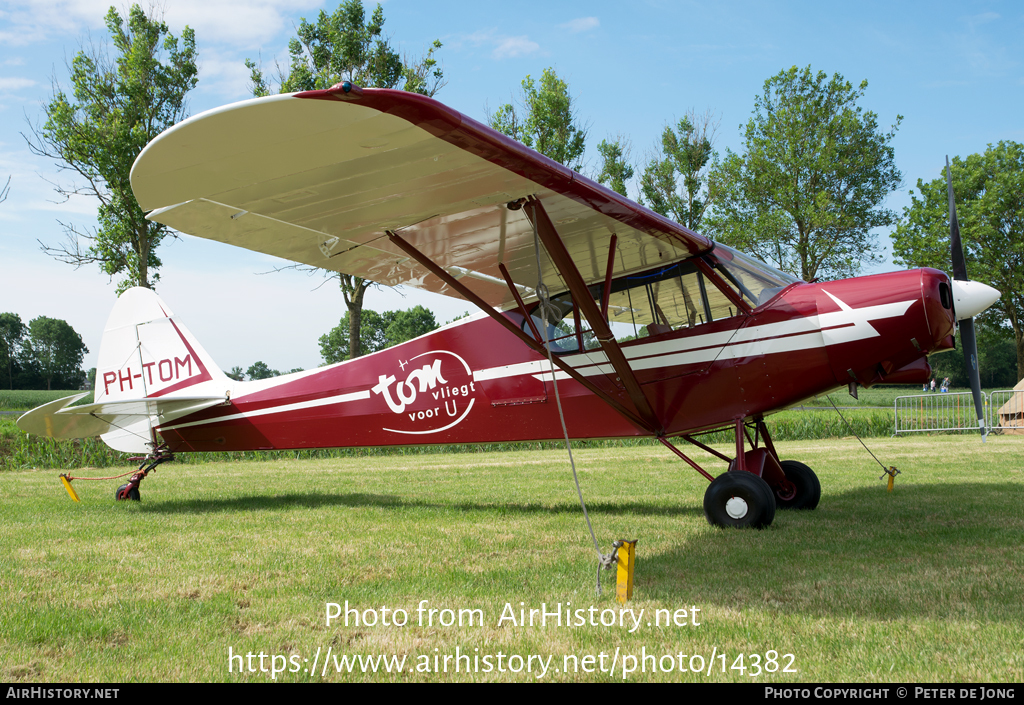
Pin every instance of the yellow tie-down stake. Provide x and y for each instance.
(66, 479)
(626, 554)
(892, 472)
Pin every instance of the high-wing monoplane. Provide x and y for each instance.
(647, 329)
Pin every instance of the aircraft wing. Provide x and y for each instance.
(320, 178)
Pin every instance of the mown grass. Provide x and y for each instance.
(921, 584)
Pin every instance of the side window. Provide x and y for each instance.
(640, 305)
(675, 297)
(562, 325)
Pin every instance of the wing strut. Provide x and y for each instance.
(581, 295)
(512, 328)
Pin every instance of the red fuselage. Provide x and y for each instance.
(474, 382)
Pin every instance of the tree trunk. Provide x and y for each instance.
(1019, 340)
(353, 288)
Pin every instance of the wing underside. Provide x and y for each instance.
(321, 178)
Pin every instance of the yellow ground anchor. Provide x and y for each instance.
(892, 472)
(626, 554)
(69, 488)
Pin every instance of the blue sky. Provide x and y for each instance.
(953, 70)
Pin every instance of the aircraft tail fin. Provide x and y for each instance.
(150, 371)
(147, 353)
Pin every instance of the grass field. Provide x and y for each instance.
(924, 584)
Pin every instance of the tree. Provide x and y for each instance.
(615, 167)
(686, 153)
(236, 373)
(378, 332)
(116, 108)
(808, 188)
(56, 351)
(997, 359)
(989, 192)
(260, 370)
(12, 330)
(546, 120)
(345, 46)
(408, 324)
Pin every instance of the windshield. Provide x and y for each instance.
(755, 281)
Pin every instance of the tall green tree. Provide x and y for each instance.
(675, 183)
(347, 46)
(615, 167)
(260, 370)
(115, 108)
(379, 331)
(809, 186)
(989, 192)
(54, 349)
(12, 331)
(545, 121)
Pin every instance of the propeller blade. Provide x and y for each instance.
(956, 247)
(970, 346)
(968, 339)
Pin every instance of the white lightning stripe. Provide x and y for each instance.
(816, 331)
(338, 399)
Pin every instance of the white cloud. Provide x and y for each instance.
(237, 22)
(13, 84)
(581, 24)
(510, 47)
(242, 23)
(984, 18)
(505, 47)
(223, 77)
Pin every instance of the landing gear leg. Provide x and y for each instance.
(740, 497)
(148, 465)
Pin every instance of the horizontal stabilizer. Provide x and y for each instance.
(58, 419)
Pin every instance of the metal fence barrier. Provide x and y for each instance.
(1006, 411)
(921, 413)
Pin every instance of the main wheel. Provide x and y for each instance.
(739, 499)
(133, 493)
(808, 488)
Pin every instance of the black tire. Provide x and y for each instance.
(739, 499)
(808, 488)
(133, 493)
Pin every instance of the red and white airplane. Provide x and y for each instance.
(647, 328)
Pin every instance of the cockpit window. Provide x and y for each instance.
(674, 297)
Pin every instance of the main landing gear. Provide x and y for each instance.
(757, 482)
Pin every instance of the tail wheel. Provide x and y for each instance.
(123, 492)
(808, 488)
(739, 499)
